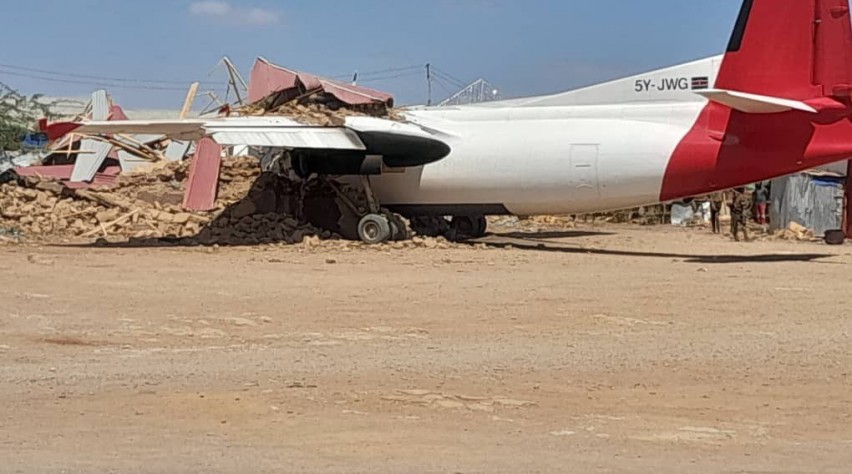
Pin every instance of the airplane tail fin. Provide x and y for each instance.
(797, 50)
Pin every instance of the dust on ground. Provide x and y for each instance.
(603, 349)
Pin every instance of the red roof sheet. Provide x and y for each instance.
(267, 79)
(62, 173)
(116, 113)
(203, 179)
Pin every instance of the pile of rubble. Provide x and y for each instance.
(251, 208)
(314, 110)
(311, 99)
(796, 232)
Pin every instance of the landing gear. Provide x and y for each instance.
(376, 225)
(470, 227)
(399, 230)
(430, 226)
(455, 229)
(374, 229)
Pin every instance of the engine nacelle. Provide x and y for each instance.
(343, 163)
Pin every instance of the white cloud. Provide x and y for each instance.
(241, 15)
(212, 8)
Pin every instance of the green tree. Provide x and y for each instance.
(19, 114)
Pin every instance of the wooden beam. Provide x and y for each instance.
(190, 99)
(104, 227)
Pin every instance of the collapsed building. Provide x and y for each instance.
(150, 186)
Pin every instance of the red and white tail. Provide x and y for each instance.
(782, 101)
(787, 54)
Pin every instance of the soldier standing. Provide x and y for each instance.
(740, 210)
(716, 201)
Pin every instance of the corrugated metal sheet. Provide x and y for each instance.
(816, 203)
(130, 162)
(87, 164)
(100, 105)
(62, 173)
(203, 179)
(177, 150)
(116, 113)
(355, 95)
(100, 180)
(267, 79)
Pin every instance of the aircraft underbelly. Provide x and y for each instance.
(543, 166)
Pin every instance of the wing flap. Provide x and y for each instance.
(332, 138)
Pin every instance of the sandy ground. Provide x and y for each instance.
(609, 350)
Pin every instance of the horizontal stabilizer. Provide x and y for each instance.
(754, 103)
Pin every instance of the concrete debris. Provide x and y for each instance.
(796, 232)
(310, 99)
(146, 206)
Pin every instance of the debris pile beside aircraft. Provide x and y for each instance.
(310, 99)
(147, 205)
(796, 232)
(145, 208)
(90, 159)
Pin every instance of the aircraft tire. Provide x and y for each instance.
(374, 229)
(481, 226)
(399, 231)
(469, 227)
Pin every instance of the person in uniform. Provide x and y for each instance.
(716, 202)
(740, 210)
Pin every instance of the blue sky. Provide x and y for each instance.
(524, 47)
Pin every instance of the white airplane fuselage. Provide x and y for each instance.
(642, 140)
(555, 160)
(559, 154)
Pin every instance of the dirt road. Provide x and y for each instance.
(615, 350)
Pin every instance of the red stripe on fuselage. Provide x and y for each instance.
(726, 148)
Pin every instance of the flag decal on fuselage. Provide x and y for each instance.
(700, 83)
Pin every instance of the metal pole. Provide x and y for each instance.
(429, 83)
(235, 80)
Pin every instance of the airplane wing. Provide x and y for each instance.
(176, 129)
(254, 131)
(400, 144)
